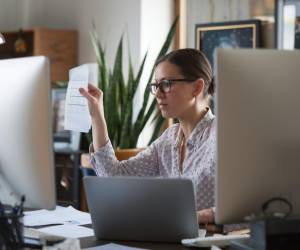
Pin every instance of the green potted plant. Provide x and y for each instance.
(118, 96)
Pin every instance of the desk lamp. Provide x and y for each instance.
(2, 40)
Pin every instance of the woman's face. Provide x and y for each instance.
(177, 102)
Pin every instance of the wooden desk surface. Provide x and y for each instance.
(92, 242)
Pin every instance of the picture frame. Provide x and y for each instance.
(234, 34)
(287, 23)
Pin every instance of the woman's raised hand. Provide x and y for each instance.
(94, 97)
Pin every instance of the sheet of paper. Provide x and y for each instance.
(112, 246)
(68, 231)
(77, 116)
(61, 215)
(32, 233)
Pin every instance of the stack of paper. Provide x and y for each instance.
(61, 215)
(68, 231)
(63, 221)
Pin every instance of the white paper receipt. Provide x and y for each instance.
(77, 116)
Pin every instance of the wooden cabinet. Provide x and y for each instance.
(60, 46)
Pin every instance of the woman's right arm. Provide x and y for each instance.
(145, 163)
(103, 159)
(94, 97)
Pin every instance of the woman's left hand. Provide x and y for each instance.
(205, 216)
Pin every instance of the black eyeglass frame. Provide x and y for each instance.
(169, 83)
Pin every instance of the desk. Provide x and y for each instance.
(92, 242)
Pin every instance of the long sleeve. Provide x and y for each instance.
(145, 163)
(162, 159)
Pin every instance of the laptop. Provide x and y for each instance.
(141, 209)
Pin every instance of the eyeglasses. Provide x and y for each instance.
(165, 85)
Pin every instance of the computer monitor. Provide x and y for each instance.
(258, 131)
(26, 151)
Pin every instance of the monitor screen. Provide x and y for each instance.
(258, 124)
(26, 151)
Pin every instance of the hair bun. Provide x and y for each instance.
(211, 87)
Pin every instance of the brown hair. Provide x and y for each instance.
(193, 64)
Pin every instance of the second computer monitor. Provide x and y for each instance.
(26, 151)
(258, 131)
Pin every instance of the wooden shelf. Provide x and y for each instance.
(60, 46)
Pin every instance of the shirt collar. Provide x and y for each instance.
(199, 126)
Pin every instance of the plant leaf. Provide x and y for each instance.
(139, 122)
(118, 95)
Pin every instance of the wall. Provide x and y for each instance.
(206, 11)
(10, 14)
(112, 18)
(155, 24)
(15, 14)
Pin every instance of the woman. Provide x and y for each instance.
(183, 87)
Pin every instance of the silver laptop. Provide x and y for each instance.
(141, 209)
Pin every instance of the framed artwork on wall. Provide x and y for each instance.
(287, 19)
(237, 34)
